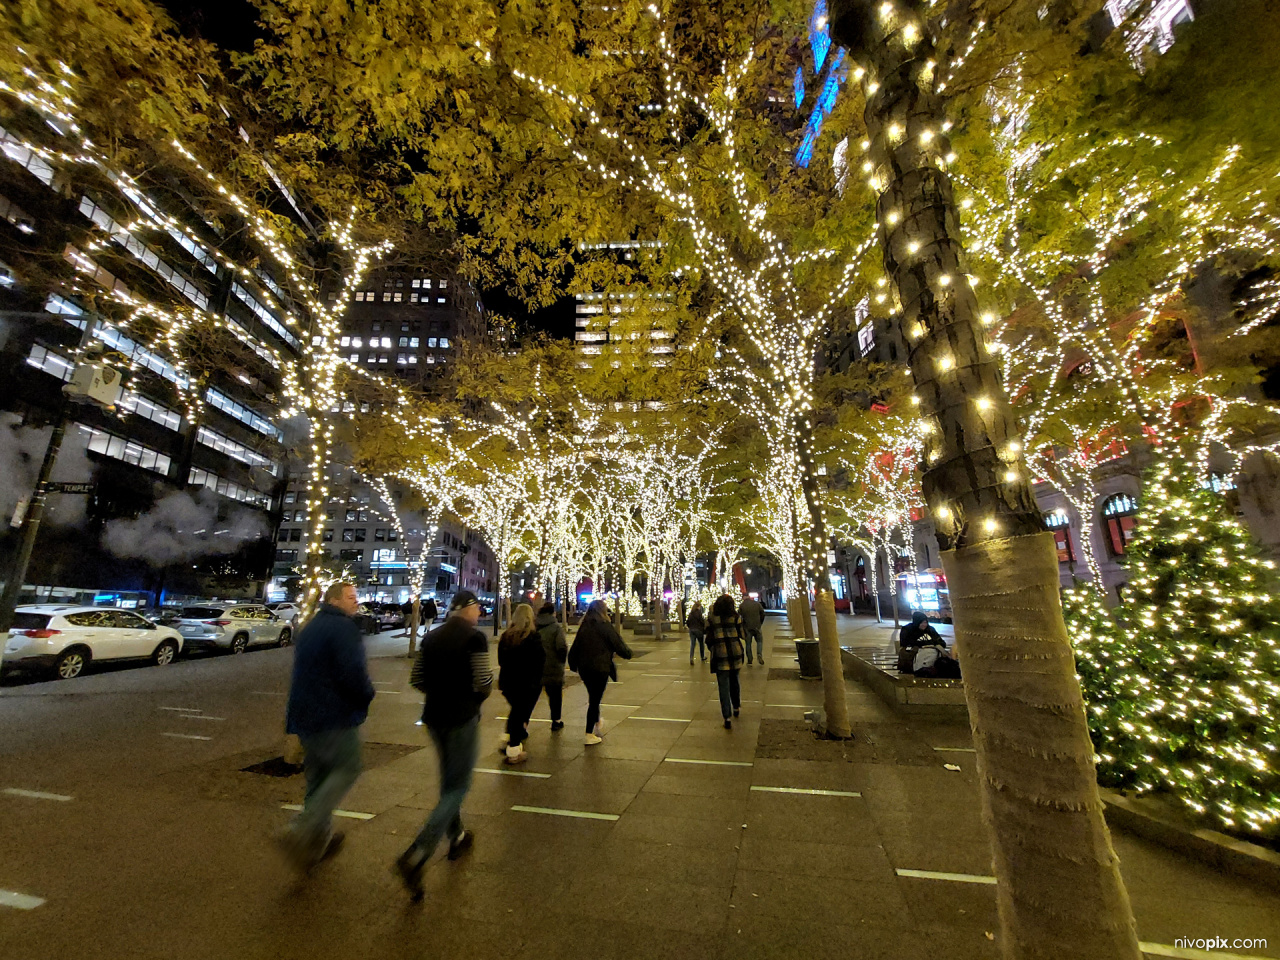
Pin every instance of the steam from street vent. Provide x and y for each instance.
(182, 526)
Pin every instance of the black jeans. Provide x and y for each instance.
(595, 684)
(555, 697)
(522, 704)
(730, 692)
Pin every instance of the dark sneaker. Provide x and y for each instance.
(460, 846)
(557, 724)
(735, 713)
(410, 873)
(728, 724)
(336, 840)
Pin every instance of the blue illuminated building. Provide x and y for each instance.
(830, 82)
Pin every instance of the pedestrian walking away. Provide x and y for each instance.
(454, 672)
(329, 697)
(752, 614)
(520, 661)
(697, 624)
(724, 642)
(551, 633)
(591, 658)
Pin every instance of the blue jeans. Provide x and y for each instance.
(332, 765)
(457, 749)
(695, 640)
(758, 633)
(730, 692)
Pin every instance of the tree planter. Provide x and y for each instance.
(810, 659)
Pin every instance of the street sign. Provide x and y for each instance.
(70, 487)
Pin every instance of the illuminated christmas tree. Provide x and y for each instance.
(1183, 677)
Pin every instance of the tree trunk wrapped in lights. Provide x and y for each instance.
(1059, 889)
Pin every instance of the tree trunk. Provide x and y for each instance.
(414, 616)
(1059, 890)
(833, 689)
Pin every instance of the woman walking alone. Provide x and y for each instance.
(520, 662)
(591, 658)
(724, 640)
(697, 625)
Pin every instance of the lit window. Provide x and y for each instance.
(398, 296)
(413, 297)
(1119, 517)
(386, 296)
(404, 342)
(417, 284)
(401, 359)
(431, 342)
(444, 343)
(443, 284)
(384, 358)
(413, 358)
(357, 342)
(346, 341)
(441, 300)
(354, 358)
(426, 284)
(386, 341)
(413, 341)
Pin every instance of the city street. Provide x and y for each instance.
(130, 828)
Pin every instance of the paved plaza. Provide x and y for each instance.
(674, 838)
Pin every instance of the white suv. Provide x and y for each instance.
(67, 638)
(233, 628)
(286, 611)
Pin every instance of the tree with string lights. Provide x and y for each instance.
(1035, 758)
(1180, 673)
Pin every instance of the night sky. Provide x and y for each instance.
(232, 25)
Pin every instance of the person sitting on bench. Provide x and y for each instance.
(918, 633)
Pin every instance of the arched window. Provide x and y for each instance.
(1060, 524)
(1118, 518)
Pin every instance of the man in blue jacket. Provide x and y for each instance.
(329, 698)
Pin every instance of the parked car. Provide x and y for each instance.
(286, 611)
(233, 627)
(390, 617)
(367, 620)
(66, 639)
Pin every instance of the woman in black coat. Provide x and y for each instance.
(520, 662)
(591, 658)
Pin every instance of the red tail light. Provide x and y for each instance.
(218, 623)
(41, 634)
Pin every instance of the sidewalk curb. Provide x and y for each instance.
(1153, 820)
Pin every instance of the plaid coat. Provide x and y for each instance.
(724, 643)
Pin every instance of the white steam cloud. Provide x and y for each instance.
(181, 526)
(21, 451)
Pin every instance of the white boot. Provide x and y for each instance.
(516, 755)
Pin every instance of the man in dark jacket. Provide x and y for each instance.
(329, 698)
(752, 615)
(454, 670)
(916, 634)
(557, 651)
